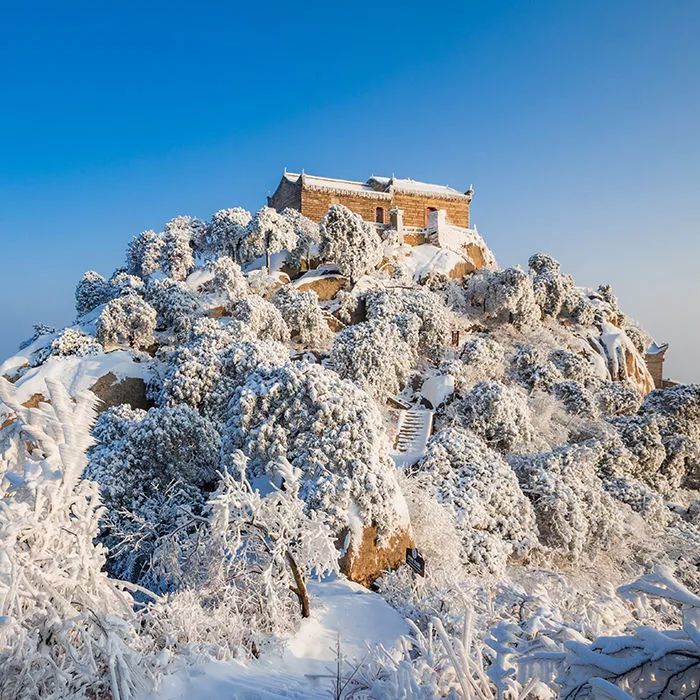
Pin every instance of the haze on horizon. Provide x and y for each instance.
(576, 123)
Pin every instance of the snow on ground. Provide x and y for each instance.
(338, 608)
(77, 373)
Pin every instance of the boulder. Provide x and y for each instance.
(325, 286)
(112, 392)
(366, 562)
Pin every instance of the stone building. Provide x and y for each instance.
(379, 200)
(654, 357)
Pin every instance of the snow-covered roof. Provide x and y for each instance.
(656, 349)
(376, 187)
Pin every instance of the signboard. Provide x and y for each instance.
(415, 560)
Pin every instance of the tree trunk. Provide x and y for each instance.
(301, 591)
(267, 253)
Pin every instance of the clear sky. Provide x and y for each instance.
(577, 122)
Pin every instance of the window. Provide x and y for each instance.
(428, 211)
(379, 215)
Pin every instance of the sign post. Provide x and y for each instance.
(415, 560)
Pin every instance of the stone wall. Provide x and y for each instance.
(288, 194)
(415, 206)
(315, 203)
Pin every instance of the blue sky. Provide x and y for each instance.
(578, 124)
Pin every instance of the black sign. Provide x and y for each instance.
(415, 560)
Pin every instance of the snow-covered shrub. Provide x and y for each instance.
(555, 293)
(66, 629)
(505, 296)
(618, 398)
(680, 407)
(72, 341)
(350, 307)
(154, 469)
(578, 400)
(124, 283)
(374, 356)
(222, 236)
(262, 318)
(308, 238)
(350, 242)
(206, 371)
(574, 512)
(303, 315)
(529, 366)
(645, 662)
(176, 305)
(330, 430)
(144, 254)
(642, 437)
(496, 413)
(126, 320)
(573, 366)
(39, 330)
(92, 291)
(268, 232)
(481, 357)
(242, 574)
(227, 277)
(420, 314)
(493, 517)
(179, 236)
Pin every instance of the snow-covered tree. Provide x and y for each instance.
(303, 314)
(154, 469)
(496, 413)
(494, 518)
(506, 296)
(268, 232)
(127, 320)
(175, 303)
(330, 430)
(224, 233)
(67, 630)
(575, 514)
(262, 318)
(308, 238)
(179, 237)
(374, 355)
(555, 292)
(227, 277)
(144, 254)
(206, 371)
(530, 367)
(92, 291)
(420, 314)
(122, 282)
(350, 242)
(617, 398)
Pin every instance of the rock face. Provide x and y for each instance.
(112, 392)
(365, 563)
(622, 358)
(325, 286)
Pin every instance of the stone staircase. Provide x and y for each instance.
(415, 427)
